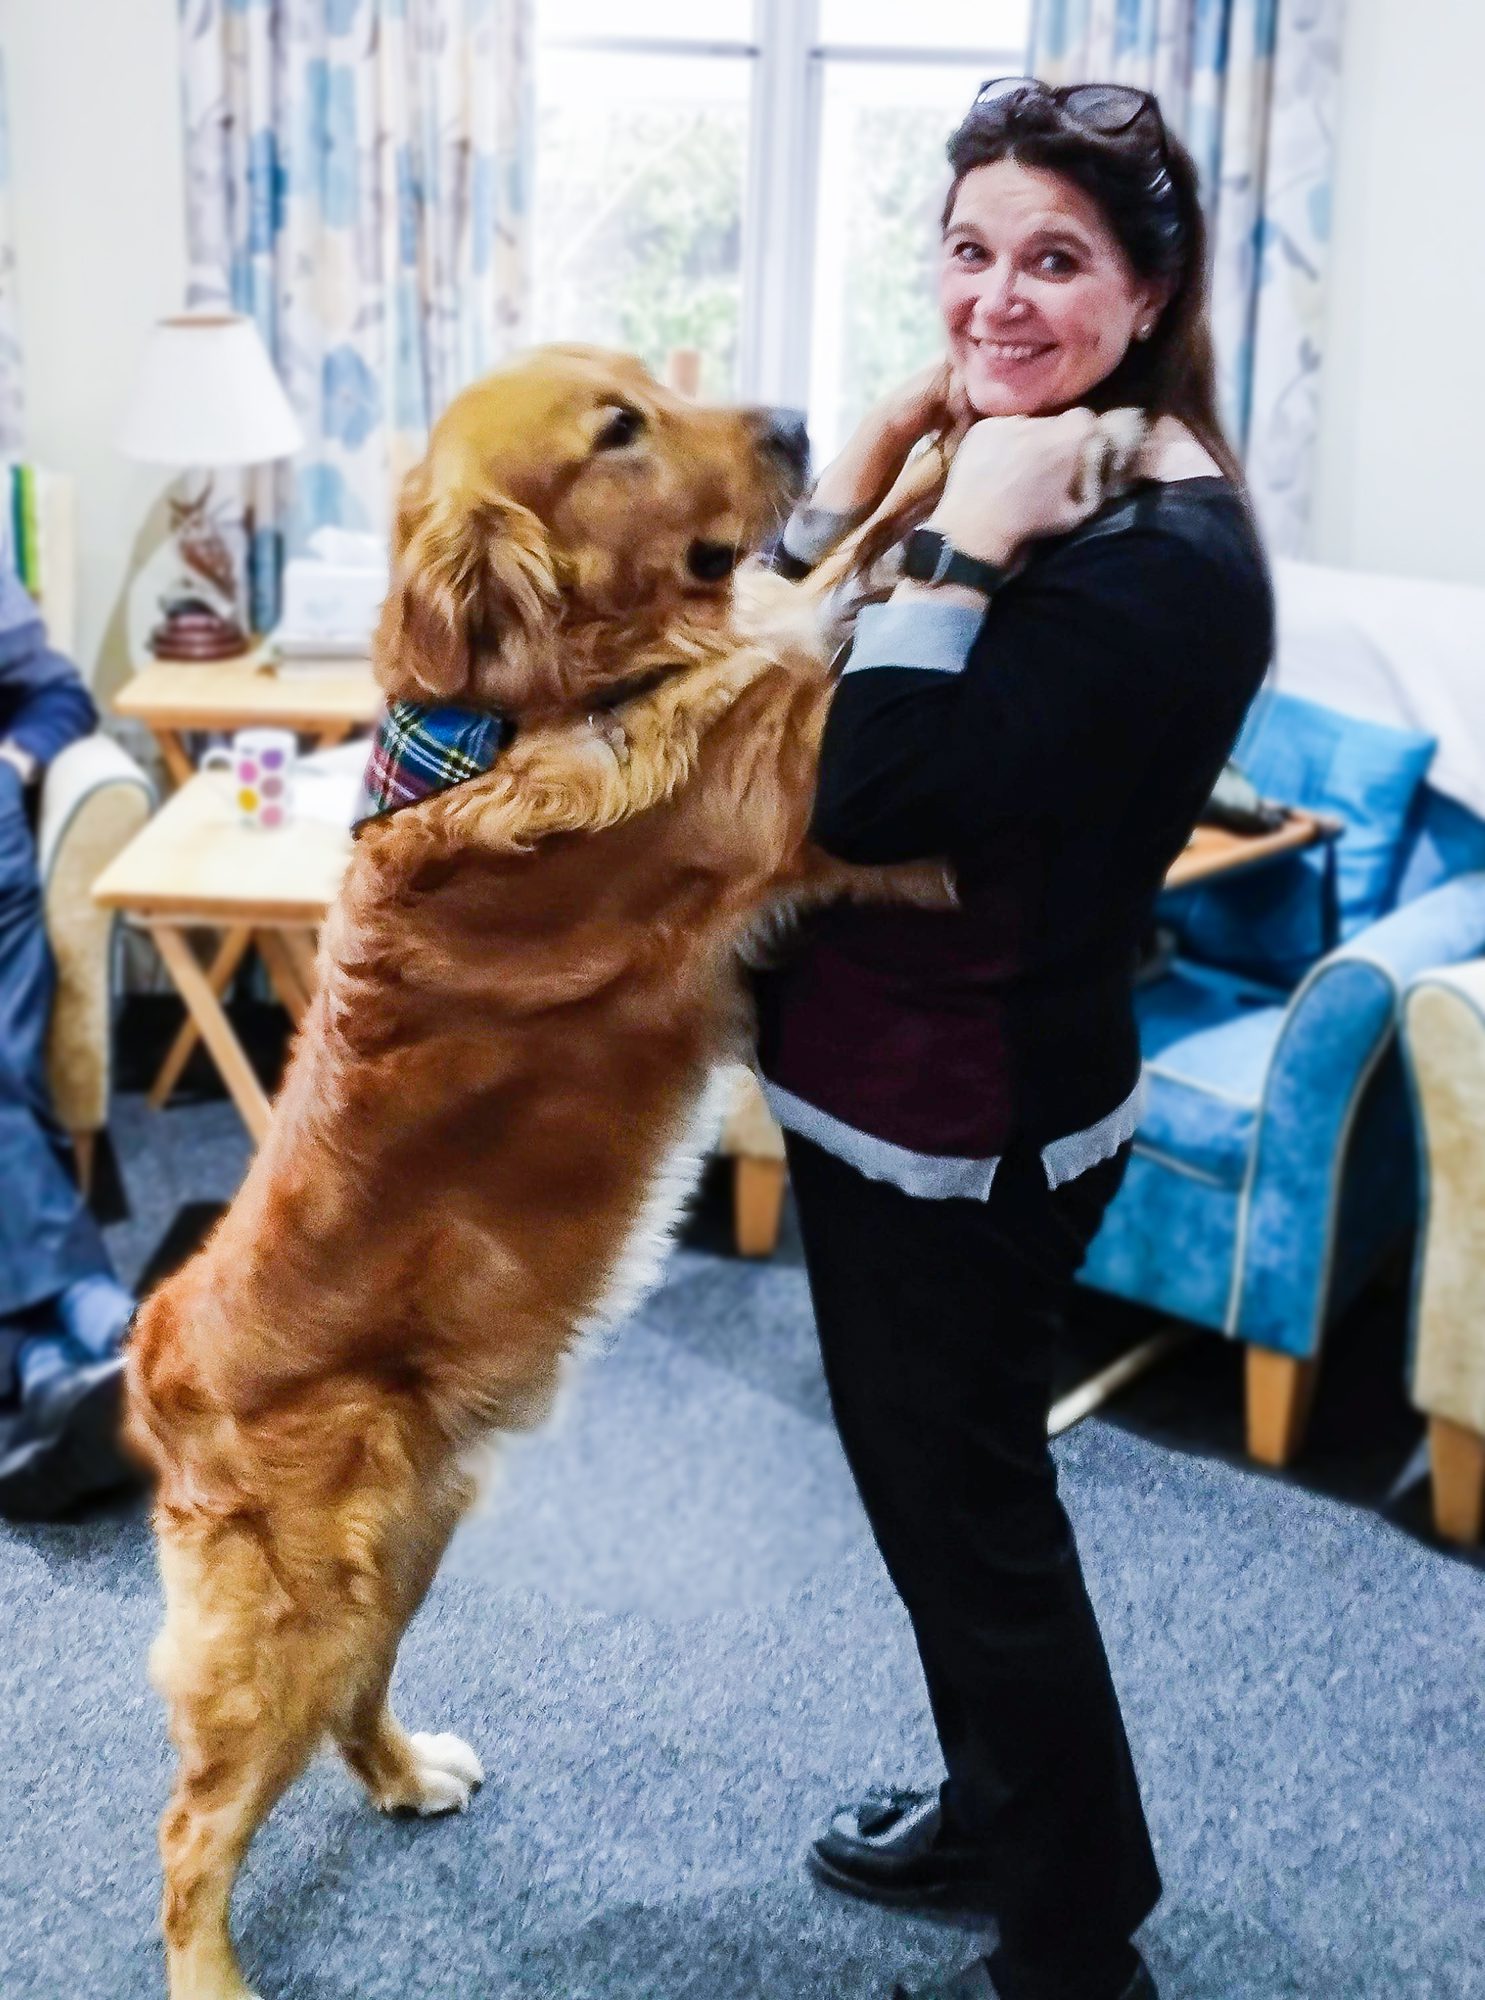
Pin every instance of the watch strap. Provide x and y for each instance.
(930, 557)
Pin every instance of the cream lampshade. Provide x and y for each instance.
(206, 395)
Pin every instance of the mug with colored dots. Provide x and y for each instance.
(262, 765)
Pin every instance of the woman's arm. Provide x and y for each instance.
(1081, 662)
(859, 477)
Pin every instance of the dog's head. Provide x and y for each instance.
(569, 518)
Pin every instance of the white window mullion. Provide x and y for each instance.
(779, 214)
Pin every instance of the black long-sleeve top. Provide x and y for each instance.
(1057, 748)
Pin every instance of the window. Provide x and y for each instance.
(759, 180)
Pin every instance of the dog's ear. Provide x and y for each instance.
(472, 600)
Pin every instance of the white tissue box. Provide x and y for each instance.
(329, 607)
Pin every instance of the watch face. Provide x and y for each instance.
(926, 548)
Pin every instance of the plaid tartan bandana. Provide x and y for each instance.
(423, 747)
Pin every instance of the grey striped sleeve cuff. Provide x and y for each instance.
(936, 637)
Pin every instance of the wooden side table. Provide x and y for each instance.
(1213, 851)
(324, 699)
(195, 866)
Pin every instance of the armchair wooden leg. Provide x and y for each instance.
(757, 1202)
(84, 1153)
(1458, 1458)
(1280, 1394)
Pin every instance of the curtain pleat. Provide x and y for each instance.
(358, 179)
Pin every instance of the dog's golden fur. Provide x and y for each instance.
(522, 990)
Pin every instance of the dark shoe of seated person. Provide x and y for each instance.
(976, 1983)
(893, 1848)
(64, 1446)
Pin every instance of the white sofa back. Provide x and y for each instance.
(1398, 650)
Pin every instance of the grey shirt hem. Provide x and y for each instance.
(950, 1176)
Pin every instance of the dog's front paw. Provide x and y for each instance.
(1112, 456)
(448, 1772)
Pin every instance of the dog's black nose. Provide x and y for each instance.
(786, 433)
(711, 561)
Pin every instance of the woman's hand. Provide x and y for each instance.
(860, 476)
(1016, 478)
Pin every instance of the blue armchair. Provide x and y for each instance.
(1273, 1171)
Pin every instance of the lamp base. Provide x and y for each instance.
(192, 630)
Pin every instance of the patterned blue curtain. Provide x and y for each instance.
(12, 400)
(357, 178)
(1252, 86)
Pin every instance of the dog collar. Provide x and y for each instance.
(424, 747)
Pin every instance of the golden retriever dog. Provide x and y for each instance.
(483, 1135)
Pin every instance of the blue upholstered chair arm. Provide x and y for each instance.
(1445, 927)
(1339, 1023)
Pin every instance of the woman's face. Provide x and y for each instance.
(1038, 298)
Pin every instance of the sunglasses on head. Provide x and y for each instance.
(1108, 110)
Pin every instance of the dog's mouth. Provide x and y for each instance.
(712, 562)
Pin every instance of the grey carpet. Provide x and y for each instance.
(675, 1650)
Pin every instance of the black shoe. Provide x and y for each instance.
(64, 1446)
(891, 1849)
(975, 1983)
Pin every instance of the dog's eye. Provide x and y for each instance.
(622, 428)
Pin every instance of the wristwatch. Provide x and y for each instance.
(930, 557)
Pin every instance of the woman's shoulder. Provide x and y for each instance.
(1181, 558)
(1187, 515)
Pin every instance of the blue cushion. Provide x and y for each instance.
(1275, 921)
(1207, 1042)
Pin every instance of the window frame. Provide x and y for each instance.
(782, 182)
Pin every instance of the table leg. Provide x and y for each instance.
(229, 957)
(216, 1030)
(177, 763)
(302, 947)
(283, 970)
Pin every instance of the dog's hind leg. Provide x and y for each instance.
(249, 1684)
(403, 1773)
(221, 1797)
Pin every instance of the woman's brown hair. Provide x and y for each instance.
(1144, 184)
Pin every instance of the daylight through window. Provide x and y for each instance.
(766, 192)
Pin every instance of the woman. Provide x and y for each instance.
(958, 1090)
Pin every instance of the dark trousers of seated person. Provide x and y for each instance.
(48, 1238)
(937, 1324)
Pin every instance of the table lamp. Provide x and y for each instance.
(206, 396)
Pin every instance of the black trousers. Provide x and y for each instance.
(937, 1323)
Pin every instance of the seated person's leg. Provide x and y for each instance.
(59, 1300)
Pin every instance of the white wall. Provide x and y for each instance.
(93, 90)
(1401, 473)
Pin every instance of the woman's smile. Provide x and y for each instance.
(1008, 354)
